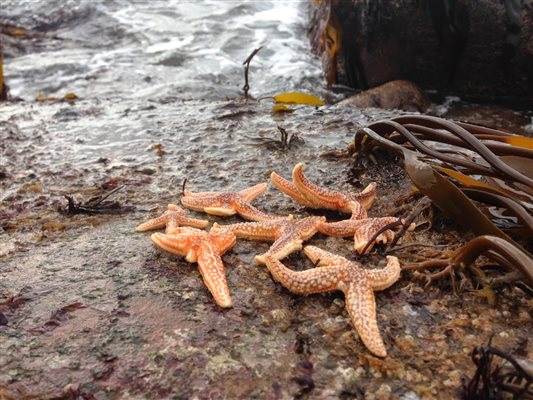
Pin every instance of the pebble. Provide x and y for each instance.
(147, 171)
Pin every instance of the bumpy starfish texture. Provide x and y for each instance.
(288, 235)
(206, 249)
(337, 273)
(311, 195)
(229, 203)
(173, 218)
(362, 230)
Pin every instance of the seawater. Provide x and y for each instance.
(152, 49)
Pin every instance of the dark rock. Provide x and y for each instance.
(477, 50)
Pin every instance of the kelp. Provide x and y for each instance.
(246, 65)
(476, 177)
(298, 98)
(497, 374)
(479, 160)
(96, 205)
(463, 260)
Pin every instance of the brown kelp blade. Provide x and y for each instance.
(446, 196)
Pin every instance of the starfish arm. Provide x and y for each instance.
(339, 229)
(292, 237)
(172, 220)
(291, 190)
(177, 218)
(307, 227)
(361, 307)
(188, 193)
(281, 248)
(316, 194)
(154, 223)
(264, 231)
(215, 205)
(175, 244)
(357, 210)
(367, 228)
(174, 223)
(310, 281)
(380, 279)
(321, 257)
(223, 240)
(252, 192)
(366, 197)
(247, 211)
(212, 270)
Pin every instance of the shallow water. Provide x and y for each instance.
(150, 49)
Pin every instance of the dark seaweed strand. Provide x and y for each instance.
(486, 243)
(472, 141)
(387, 143)
(445, 137)
(422, 204)
(480, 169)
(491, 198)
(380, 231)
(482, 130)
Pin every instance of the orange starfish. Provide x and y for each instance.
(228, 203)
(311, 195)
(205, 248)
(288, 235)
(337, 273)
(173, 218)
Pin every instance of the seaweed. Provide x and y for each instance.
(492, 380)
(517, 263)
(479, 177)
(96, 205)
(246, 64)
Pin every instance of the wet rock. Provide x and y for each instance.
(477, 50)
(400, 95)
(147, 171)
(67, 114)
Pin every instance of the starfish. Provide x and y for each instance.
(288, 235)
(362, 230)
(337, 273)
(173, 218)
(229, 203)
(311, 195)
(206, 249)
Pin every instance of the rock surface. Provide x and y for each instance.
(92, 310)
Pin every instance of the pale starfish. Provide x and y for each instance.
(288, 235)
(173, 218)
(362, 231)
(229, 203)
(205, 248)
(311, 195)
(337, 273)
